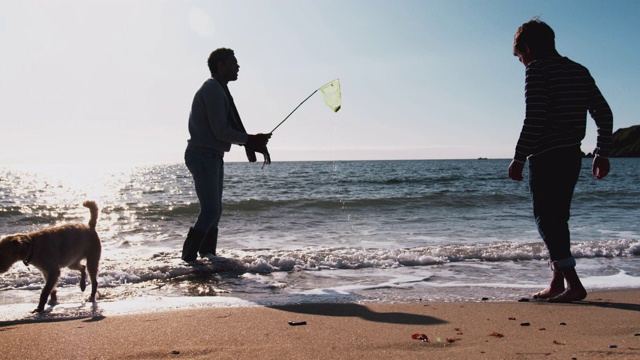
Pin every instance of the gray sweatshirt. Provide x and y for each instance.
(209, 125)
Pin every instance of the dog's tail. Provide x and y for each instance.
(93, 208)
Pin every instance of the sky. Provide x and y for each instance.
(91, 81)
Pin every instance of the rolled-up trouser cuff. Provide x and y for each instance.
(560, 265)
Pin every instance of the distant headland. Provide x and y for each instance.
(626, 142)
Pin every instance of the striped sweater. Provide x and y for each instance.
(558, 94)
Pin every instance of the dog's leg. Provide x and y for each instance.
(83, 274)
(53, 298)
(92, 267)
(83, 279)
(51, 278)
(94, 285)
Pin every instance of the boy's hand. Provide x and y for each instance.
(600, 167)
(515, 170)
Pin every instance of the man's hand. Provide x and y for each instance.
(515, 170)
(600, 167)
(258, 141)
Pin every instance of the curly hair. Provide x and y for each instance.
(220, 55)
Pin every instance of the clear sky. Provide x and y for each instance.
(112, 81)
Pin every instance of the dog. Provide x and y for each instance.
(52, 249)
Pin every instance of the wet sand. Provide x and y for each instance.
(606, 324)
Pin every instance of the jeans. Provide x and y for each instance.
(552, 178)
(207, 170)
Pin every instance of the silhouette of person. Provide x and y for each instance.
(214, 124)
(558, 95)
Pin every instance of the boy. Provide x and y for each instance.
(558, 94)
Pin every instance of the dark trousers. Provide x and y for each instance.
(552, 178)
(207, 169)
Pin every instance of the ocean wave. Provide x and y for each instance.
(22, 218)
(265, 261)
(116, 271)
(404, 180)
(439, 200)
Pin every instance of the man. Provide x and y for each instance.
(214, 124)
(558, 94)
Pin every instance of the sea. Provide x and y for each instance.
(304, 232)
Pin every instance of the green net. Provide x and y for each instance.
(332, 95)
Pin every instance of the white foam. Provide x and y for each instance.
(139, 305)
(620, 280)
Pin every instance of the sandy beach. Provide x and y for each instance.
(606, 324)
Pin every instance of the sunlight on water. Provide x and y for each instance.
(52, 194)
(319, 227)
(68, 181)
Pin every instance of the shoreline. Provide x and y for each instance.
(604, 325)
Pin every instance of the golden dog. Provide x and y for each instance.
(50, 250)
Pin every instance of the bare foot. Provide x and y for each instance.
(555, 288)
(548, 293)
(569, 295)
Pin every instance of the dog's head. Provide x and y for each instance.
(13, 248)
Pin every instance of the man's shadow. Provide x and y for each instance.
(359, 311)
(611, 305)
